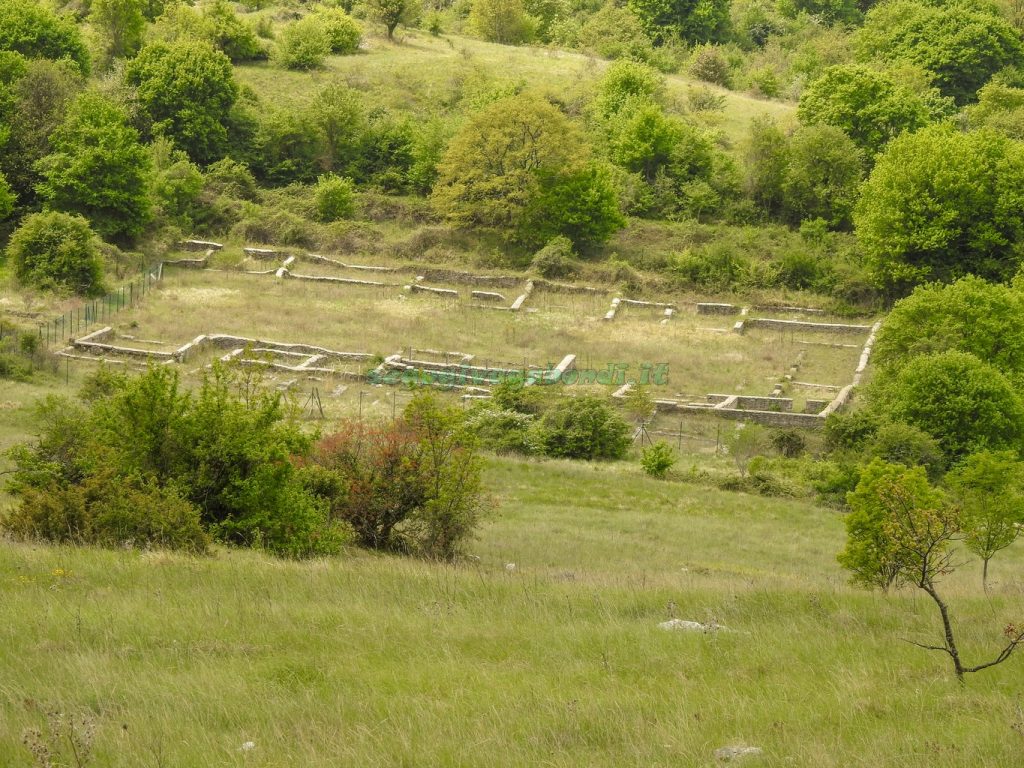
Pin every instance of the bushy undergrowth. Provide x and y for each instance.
(142, 462)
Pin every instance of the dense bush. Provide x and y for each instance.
(98, 169)
(658, 459)
(33, 30)
(412, 486)
(186, 91)
(868, 105)
(962, 402)
(502, 21)
(109, 511)
(217, 24)
(343, 32)
(789, 442)
(970, 315)
(941, 204)
(709, 64)
(303, 44)
(556, 259)
(960, 44)
(898, 443)
(334, 198)
(56, 251)
(225, 451)
(583, 428)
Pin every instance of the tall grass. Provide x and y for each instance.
(558, 661)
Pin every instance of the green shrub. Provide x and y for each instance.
(226, 449)
(556, 259)
(36, 32)
(658, 459)
(229, 33)
(897, 443)
(850, 431)
(501, 430)
(412, 486)
(334, 198)
(55, 250)
(231, 178)
(717, 267)
(13, 368)
(789, 443)
(304, 44)
(709, 64)
(582, 428)
(964, 403)
(343, 32)
(108, 511)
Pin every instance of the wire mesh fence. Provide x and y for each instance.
(98, 310)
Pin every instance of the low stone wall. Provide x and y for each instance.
(767, 418)
(362, 267)
(784, 308)
(200, 245)
(802, 325)
(468, 278)
(264, 254)
(190, 263)
(488, 296)
(754, 403)
(447, 292)
(710, 308)
(288, 275)
(549, 285)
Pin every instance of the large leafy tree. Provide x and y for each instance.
(120, 24)
(940, 204)
(502, 21)
(36, 102)
(971, 315)
(494, 165)
(98, 168)
(56, 251)
(960, 43)
(966, 404)
(866, 104)
(32, 29)
(186, 91)
(696, 21)
(824, 174)
(391, 13)
(7, 198)
(581, 204)
(1000, 107)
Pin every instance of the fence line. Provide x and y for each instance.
(99, 310)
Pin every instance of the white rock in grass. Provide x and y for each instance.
(247, 746)
(510, 567)
(728, 754)
(682, 625)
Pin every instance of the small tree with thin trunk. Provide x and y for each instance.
(390, 13)
(899, 531)
(989, 487)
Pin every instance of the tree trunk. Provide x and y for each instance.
(984, 575)
(947, 627)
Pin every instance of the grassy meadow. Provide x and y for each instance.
(378, 661)
(426, 74)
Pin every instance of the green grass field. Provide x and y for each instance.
(377, 661)
(428, 75)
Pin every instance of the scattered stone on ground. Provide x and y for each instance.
(736, 752)
(683, 625)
